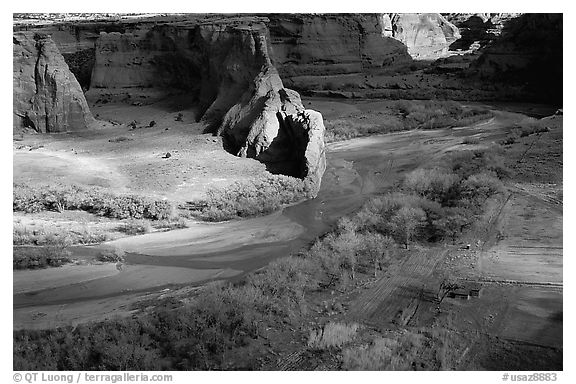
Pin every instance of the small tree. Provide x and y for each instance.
(453, 223)
(447, 285)
(377, 249)
(406, 222)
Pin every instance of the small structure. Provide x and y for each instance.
(459, 293)
(475, 289)
(466, 291)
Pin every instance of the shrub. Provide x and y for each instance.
(119, 139)
(434, 183)
(111, 255)
(332, 335)
(471, 140)
(135, 227)
(481, 185)
(509, 140)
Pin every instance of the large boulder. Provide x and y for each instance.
(46, 95)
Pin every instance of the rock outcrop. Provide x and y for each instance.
(46, 95)
(426, 35)
(225, 67)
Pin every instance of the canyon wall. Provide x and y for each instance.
(528, 52)
(46, 95)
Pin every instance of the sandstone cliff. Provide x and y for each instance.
(46, 95)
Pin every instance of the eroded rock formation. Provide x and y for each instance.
(46, 95)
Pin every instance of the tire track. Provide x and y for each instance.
(389, 295)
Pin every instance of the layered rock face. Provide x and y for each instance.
(46, 95)
(426, 35)
(324, 44)
(225, 67)
(335, 52)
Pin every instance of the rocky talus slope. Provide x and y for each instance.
(46, 95)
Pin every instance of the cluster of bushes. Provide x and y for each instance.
(408, 350)
(524, 129)
(252, 198)
(53, 253)
(111, 255)
(405, 115)
(23, 235)
(31, 199)
(433, 114)
(346, 129)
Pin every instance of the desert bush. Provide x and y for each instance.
(252, 198)
(111, 255)
(481, 185)
(119, 139)
(471, 140)
(509, 140)
(135, 227)
(171, 224)
(332, 335)
(90, 236)
(435, 183)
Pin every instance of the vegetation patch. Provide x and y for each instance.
(52, 253)
(251, 198)
(405, 115)
(31, 199)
